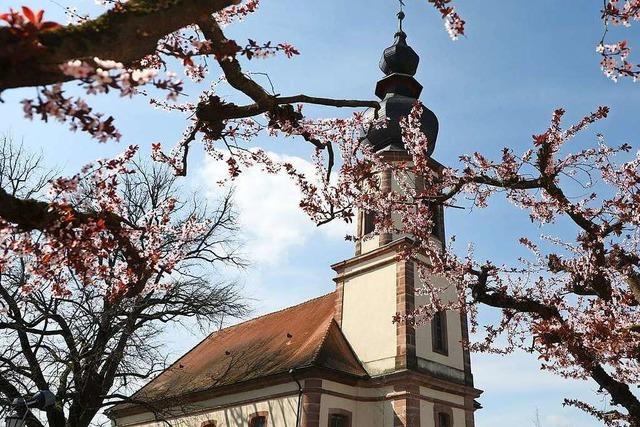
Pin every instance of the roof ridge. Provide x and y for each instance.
(291, 307)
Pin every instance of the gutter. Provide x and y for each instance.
(291, 372)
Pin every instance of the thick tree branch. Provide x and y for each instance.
(107, 37)
(482, 293)
(231, 66)
(329, 102)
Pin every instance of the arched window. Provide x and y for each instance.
(444, 420)
(439, 333)
(437, 210)
(208, 424)
(443, 415)
(259, 419)
(369, 223)
(439, 223)
(339, 418)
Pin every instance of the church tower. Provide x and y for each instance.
(375, 285)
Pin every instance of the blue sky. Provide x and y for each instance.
(493, 88)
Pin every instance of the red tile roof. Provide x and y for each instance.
(301, 336)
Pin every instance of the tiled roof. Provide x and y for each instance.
(297, 337)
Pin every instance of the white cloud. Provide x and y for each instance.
(558, 421)
(518, 372)
(514, 387)
(272, 222)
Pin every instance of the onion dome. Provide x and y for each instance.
(398, 92)
(399, 57)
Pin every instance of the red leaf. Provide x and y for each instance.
(39, 16)
(28, 13)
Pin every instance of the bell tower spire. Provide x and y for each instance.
(399, 91)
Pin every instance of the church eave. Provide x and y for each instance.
(300, 373)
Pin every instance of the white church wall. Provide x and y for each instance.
(231, 410)
(426, 414)
(368, 412)
(370, 244)
(380, 413)
(366, 264)
(368, 306)
(455, 357)
(364, 414)
(427, 417)
(375, 414)
(454, 399)
(458, 418)
(361, 392)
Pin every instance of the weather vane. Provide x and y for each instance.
(401, 15)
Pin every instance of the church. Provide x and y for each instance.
(337, 360)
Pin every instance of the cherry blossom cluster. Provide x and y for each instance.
(52, 103)
(100, 77)
(622, 12)
(237, 13)
(612, 418)
(452, 21)
(91, 227)
(615, 56)
(251, 50)
(265, 50)
(103, 76)
(190, 47)
(615, 62)
(327, 194)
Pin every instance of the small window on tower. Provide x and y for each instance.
(439, 332)
(258, 421)
(438, 224)
(338, 420)
(444, 420)
(369, 220)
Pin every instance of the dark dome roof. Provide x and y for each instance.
(399, 57)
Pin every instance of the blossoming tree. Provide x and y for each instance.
(67, 323)
(576, 299)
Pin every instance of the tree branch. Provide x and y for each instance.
(107, 37)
